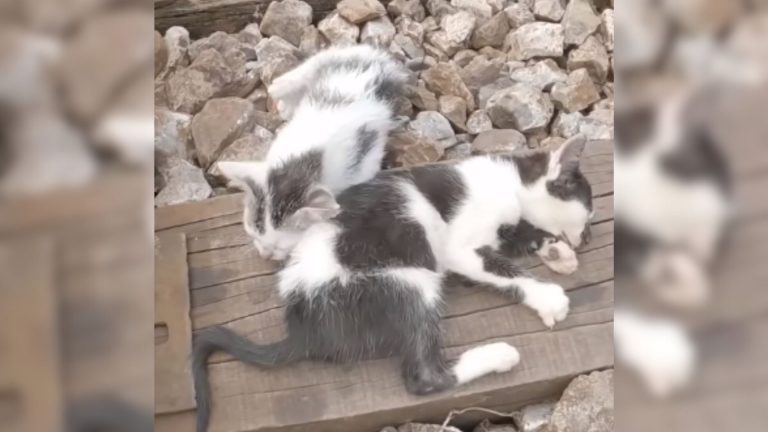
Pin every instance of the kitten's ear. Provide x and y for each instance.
(243, 175)
(320, 205)
(569, 153)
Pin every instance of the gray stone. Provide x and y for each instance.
(177, 43)
(479, 8)
(538, 39)
(580, 21)
(479, 72)
(184, 182)
(437, 9)
(408, 8)
(276, 56)
(586, 405)
(577, 93)
(218, 124)
(522, 107)
(606, 29)
(434, 127)
(235, 52)
(498, 140)
(492, 32)
(287, 19)
(461, 150)
(360, 11)
(422, 427)
(409, 149)
(592, 56)
(487, 91)
(549, 10)
(598, 125)
(542, 74)
(378, 32)
(454, 109)
(338, 30)
(445, 79)
(567, 125)
(456, 31)
(479, 122)
(422, 98)
(259, 99)
(533, 418)
(518, 15)
(405, 48)
(250, 35)
(250, 147)
(410, 28)
(268, 120)
(172, 135)
(430, 24)
(463, 57)
(312, 41)
(207, 77)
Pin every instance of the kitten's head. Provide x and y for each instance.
(556, 195)
(279, 205)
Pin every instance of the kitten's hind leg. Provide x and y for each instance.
(488, 267)
(426, 370)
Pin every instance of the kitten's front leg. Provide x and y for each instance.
(558, 256)
(489, 267)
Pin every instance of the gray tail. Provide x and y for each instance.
(219, 338)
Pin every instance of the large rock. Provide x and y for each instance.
(575, 94)
(549, 10)
(276, 57)
(404, 48)
(498, 140)
(184, 182)
(188, 89)
(445, 79)
(533, 418)
(422, 98)
(268, 120)
(492, 32)
(592, 56)
(439, 8)
(360, 11)
(455, 32)
(485, 92)
(518, 15)
(172, 135)
(410, 28)
(479, 72)
(409, 149)
(454, 109)
(287, 19)
(409, 8)
(338, 30)
(312, 41)
(598, 125)
(250, 147)
(378, 32)
(432, 126)
(461, 150)
(177, 43)
(218, 124)
(479, 8)
(586, 405)
(542, 74)
(235, 52)
(250, 35)
(463, 57)
(538, 39)
(522, 107)
(580, 21)
(606, 29)
(479, 122)
(161, 53)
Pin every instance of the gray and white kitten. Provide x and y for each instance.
(341, 106)
(369, 282)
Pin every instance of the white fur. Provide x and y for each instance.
(479, 361)
(659, 351)
(313, 262)
(552, 214)
(426, 282)
(547, 299)
(421, 210)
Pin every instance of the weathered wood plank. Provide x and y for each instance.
(368, 395)
(202, 17)
(173, 344)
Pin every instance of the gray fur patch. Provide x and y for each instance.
(366, 138)
(289, 184)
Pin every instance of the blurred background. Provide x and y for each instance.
(76, 281)
(691, 170)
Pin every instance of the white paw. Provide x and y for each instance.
(504, 356)
(559, 257)
(548, 300)
(659, 351)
